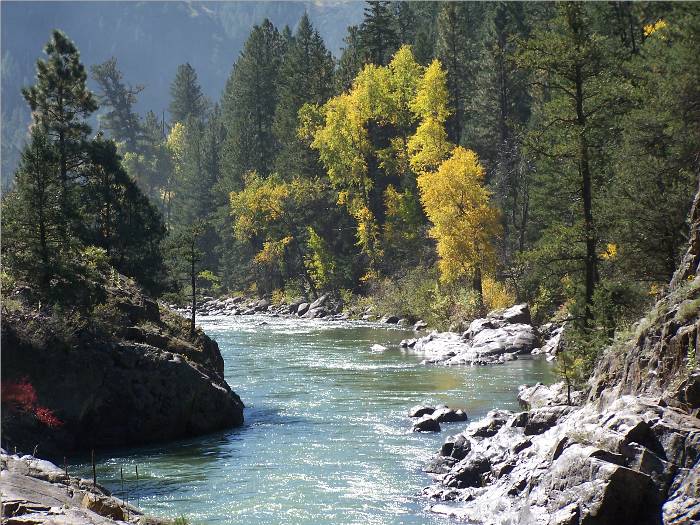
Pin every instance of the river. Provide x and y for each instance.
(326, 438)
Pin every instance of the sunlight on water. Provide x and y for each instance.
(326, 438)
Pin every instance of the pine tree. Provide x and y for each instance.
(118, 218)
(121, 121)
(34, 230)
(187, 99)
(249, 104)
(60, 102)
(351, 60)
(577, 72)
(500, 108)
(306, 76)
(378, 38)
(458, 49)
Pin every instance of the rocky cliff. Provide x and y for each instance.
(629, 454)
(128, 373)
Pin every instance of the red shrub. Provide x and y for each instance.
(47, 417)
(21, 396)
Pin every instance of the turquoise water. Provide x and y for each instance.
(326, 438)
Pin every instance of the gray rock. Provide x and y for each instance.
(440, 465)
(448, 415)
(468, 472)
(420, 325)
(420, 410)
(426, 424)
(319, 302)
(302, 309)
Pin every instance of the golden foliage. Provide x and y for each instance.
(464, 223)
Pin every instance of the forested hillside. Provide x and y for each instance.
(142, 35)
(452, 158)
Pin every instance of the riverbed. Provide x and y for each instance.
(326, 438)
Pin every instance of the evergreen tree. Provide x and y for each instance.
(351, 60)
(378, 38)
(306, 76)
(185, 256)
(500, 108)
(249, 104)
(121, 121)
(187, 99)
(458, 49)
(150, 165)
(577, 72)
(34, 230)
(118, 218)
(60, 102)
(656, 165)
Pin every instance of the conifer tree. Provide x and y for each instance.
(578, 83)
(60, 102)
(249, 104)
(187, 99)
(377, 32)
(458, 49)
(306, 76)
(34, 230)
(121, 121)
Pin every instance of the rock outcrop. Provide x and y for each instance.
(628, 455)
(35, 491)
(496, 338)
(140, 378)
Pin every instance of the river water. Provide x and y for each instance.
(326, 438)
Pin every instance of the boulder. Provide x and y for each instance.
(420, 410)
(461, 447)
(426, 424)
(389, 319)
(261, 305)
(294, 305)
(319, 302)
(315, 313)
(420, 325)
(490, 425)
(129, 385)
(517, 314)
(543, 419)
(440, 465)
(468, 472)
(448, 415)
(302, 309)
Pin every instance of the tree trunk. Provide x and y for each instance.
(591, 270)
(193, 277)
(478, 288)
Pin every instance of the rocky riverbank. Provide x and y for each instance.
(628, 454)
(36, 491)
(129, 374)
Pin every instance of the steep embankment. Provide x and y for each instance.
(629, 455)
(128, 374)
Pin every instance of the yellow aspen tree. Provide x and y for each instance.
(429, 146)
(463, 221)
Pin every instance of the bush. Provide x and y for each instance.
(418, 294)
